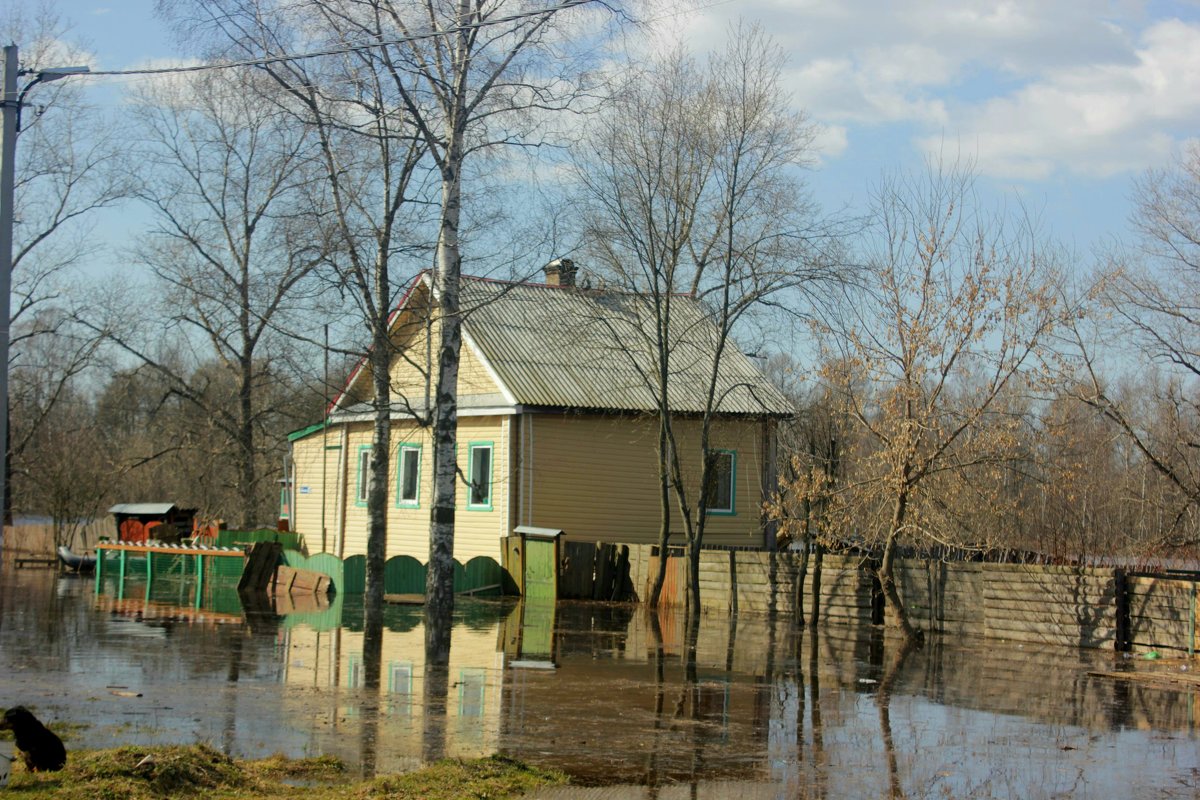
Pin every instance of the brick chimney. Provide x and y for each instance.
(560, 272)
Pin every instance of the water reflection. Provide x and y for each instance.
(608, 693)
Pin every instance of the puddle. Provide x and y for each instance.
(601, 692)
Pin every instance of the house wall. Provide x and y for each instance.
(596, 477)
(317, 490)
(478, 532)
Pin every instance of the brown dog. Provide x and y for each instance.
(41, 749)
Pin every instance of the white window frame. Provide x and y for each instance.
(404, 453)
(363, 486)
(714, 475)
(472, 479)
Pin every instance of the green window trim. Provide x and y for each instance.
(731, 511)
(360, 484)
(415, 452)
(471, 477)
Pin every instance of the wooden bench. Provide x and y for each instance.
(35, 561)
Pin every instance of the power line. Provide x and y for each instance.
(349, 48)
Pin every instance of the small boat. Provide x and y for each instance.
(75, 562)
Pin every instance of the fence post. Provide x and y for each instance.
(121, 577)
(99, 569)
(1192, 624)
(1121, 593)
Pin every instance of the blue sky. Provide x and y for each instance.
(1060, 103)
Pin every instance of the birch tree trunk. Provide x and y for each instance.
(381, 438)
(439, 573)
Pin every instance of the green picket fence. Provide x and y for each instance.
(481, 576)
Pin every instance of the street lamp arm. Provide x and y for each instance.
(43, 76)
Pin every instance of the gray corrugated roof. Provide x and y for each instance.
(141, 508)
(588, 349)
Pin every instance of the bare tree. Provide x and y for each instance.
(438, 80)
(69, 165)
(1151, 294)
(484, 77)
(809, 467)
(234, 249)
(372, 186)
(63, 466)
(690, 188)
(957, 314)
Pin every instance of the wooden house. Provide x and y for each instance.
(556, 424)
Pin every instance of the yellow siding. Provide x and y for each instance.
(596, 477)
(477, 532)
(354, 530)
(473, 377)
(316, 488)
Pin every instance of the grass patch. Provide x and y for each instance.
(151, 773)
(494, 777)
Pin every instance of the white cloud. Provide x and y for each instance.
(1096, 120)
(1029, 88)
(830, 141)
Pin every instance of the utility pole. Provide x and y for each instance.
(10, 104)
(8, 158)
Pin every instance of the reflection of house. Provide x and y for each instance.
(469, 693)
(555, 424)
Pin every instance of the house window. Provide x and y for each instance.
(472, 684)
(721, 486)
(408, 476)
(479, 476)
(364, 475)
(400, 679)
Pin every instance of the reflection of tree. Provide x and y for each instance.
(883, 699)
(818, 727)
(784, 715)
(437, 684)
(229, 731)
(692, 682)
(372, 660)
(660, 693)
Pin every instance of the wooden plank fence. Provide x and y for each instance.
(590, 571)
(1162, 611)
(1092, 607)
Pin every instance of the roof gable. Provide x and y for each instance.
(479, 385)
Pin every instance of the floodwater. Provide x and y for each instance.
(606, 693)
